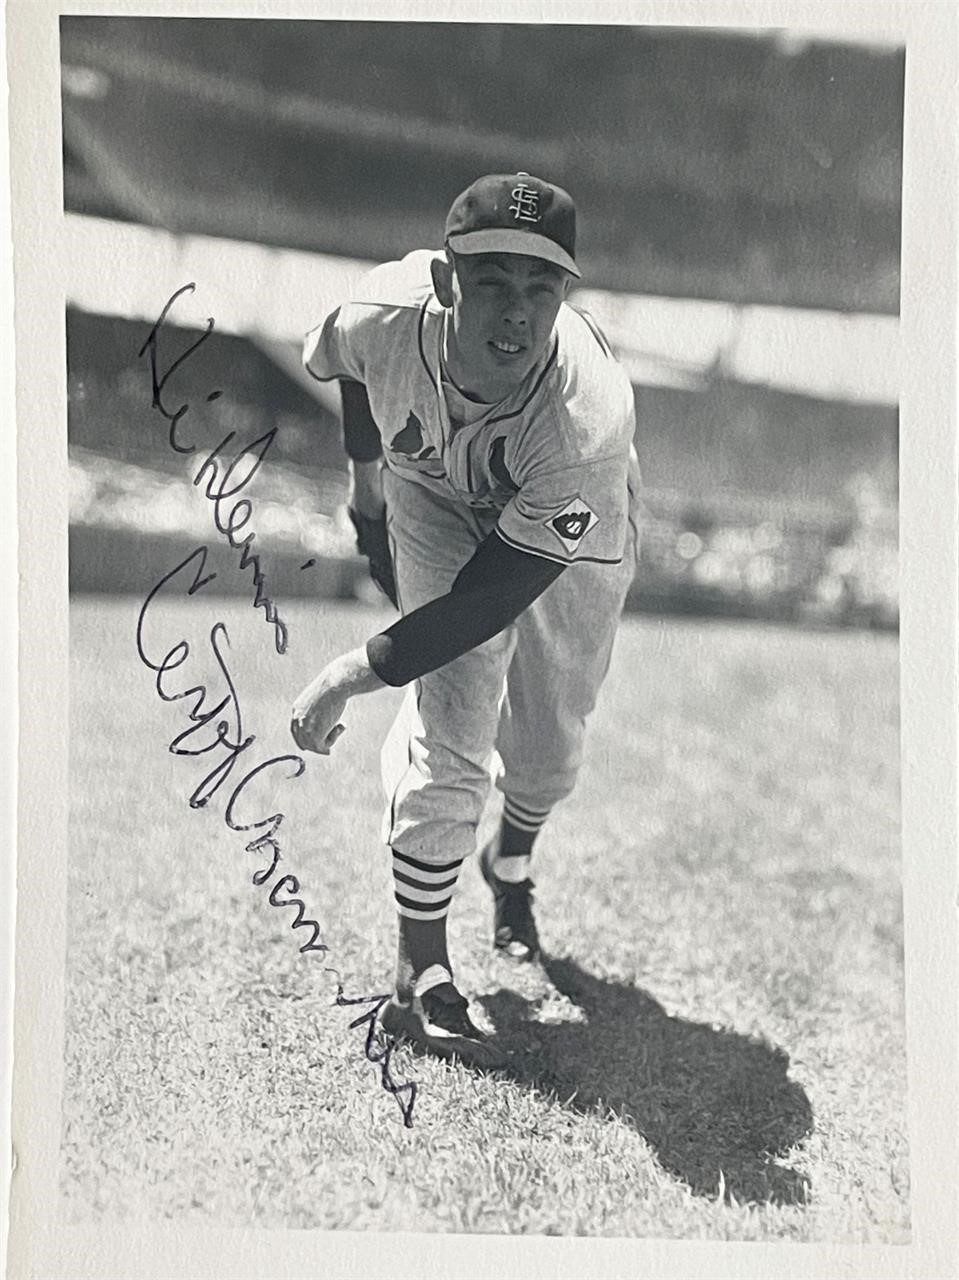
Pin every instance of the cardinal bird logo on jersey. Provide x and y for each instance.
(497, 464)
(573, 523)
(409, 441)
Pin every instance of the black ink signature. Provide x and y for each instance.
(227, 732)
(219, 727)
(200, 718)
(246, 463)
(379, 1052)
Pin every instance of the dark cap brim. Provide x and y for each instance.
(528, 244)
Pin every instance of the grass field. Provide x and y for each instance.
(713, 1050)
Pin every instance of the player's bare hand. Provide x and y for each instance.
(316, 722)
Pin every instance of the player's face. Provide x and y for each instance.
(503, 308)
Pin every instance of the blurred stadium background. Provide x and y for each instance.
(739, 199)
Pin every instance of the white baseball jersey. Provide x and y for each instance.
(555, 458)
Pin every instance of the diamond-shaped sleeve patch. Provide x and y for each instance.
(573, 523)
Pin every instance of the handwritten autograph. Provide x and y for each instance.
(219, 488)
(216, 720)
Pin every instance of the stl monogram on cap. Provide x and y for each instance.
(526, 208)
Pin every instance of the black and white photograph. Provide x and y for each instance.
(475, 499)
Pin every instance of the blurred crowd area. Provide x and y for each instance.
(773, 560)
(802, 551)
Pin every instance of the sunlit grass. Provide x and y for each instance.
(713, 1050)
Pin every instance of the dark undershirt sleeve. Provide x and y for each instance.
(491, 590)
(361, 438)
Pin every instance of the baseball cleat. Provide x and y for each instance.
(438, 1022)
(514, 929)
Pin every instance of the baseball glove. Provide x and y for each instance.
(372, 542)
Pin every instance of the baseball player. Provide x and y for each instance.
(494, 488)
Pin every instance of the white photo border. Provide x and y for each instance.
(40, 1246)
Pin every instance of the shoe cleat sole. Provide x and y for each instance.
(404, 1023)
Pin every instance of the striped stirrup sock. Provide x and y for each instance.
(518, 831)
(423, 890)
(522, 817)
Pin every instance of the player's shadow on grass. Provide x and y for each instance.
(716, 1107)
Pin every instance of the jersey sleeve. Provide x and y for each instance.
(576, 513)
(334, 349)
(491, 591)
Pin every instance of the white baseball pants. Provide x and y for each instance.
(523, 697)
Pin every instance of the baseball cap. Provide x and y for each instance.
(514, 213)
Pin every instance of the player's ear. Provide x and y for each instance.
(442, 272)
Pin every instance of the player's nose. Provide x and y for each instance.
(516, 311)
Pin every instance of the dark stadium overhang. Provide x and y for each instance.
(715, 182)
